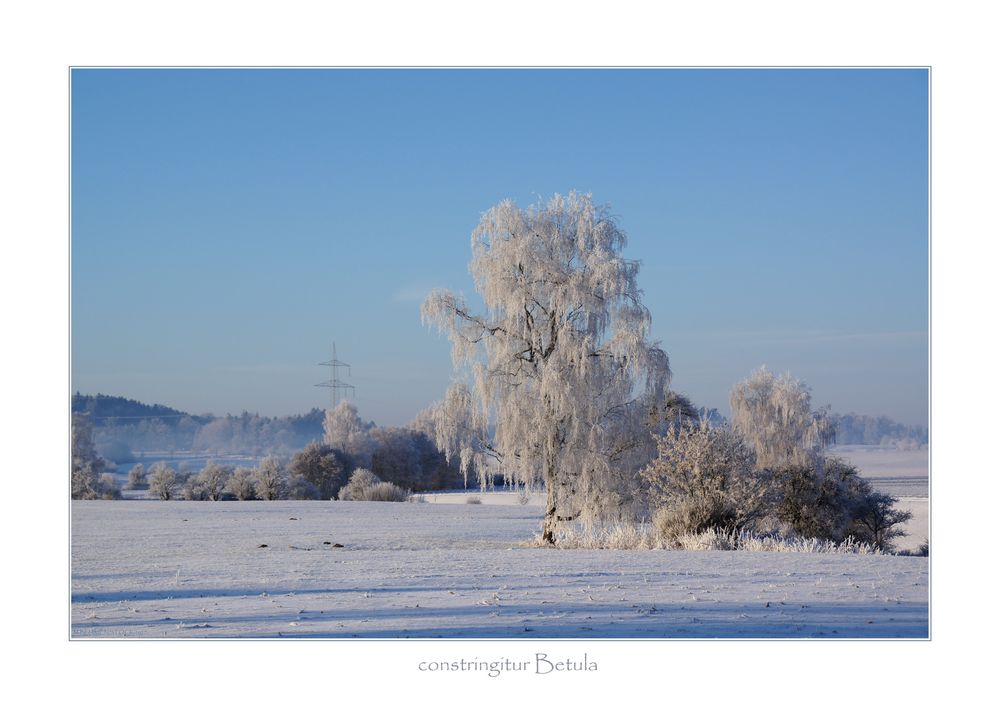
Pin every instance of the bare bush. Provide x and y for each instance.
(877, 521)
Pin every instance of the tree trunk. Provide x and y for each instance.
(552, 498)
(549, 525)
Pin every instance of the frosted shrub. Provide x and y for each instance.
(704, 477)
(163, 481)
(382, 491)
(366, 486)
(834, 502)
(877, 522)
(360, 480)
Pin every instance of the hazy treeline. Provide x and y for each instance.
(122, 426)
(860, 429)
(298, 463)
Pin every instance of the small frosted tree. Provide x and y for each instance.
(344, 429)
(322, 466)
(775, 416)
(271, 478)
(561, 376)
(136, 477)
(108, 488)
(242, 484)
(164, 482)
(212, 480)
(86, 464)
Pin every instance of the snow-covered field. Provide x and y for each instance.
(156, 569)
(882, 462)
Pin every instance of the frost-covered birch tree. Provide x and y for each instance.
(774, 414)
(560, 375)
(344, 429)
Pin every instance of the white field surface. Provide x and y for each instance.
(152, 569)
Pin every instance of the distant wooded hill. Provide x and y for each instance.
(122, 424)
(104, 409)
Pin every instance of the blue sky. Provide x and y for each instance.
(228, 225)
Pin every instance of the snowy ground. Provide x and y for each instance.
(199, 569)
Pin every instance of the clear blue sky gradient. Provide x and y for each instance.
(228, 225)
